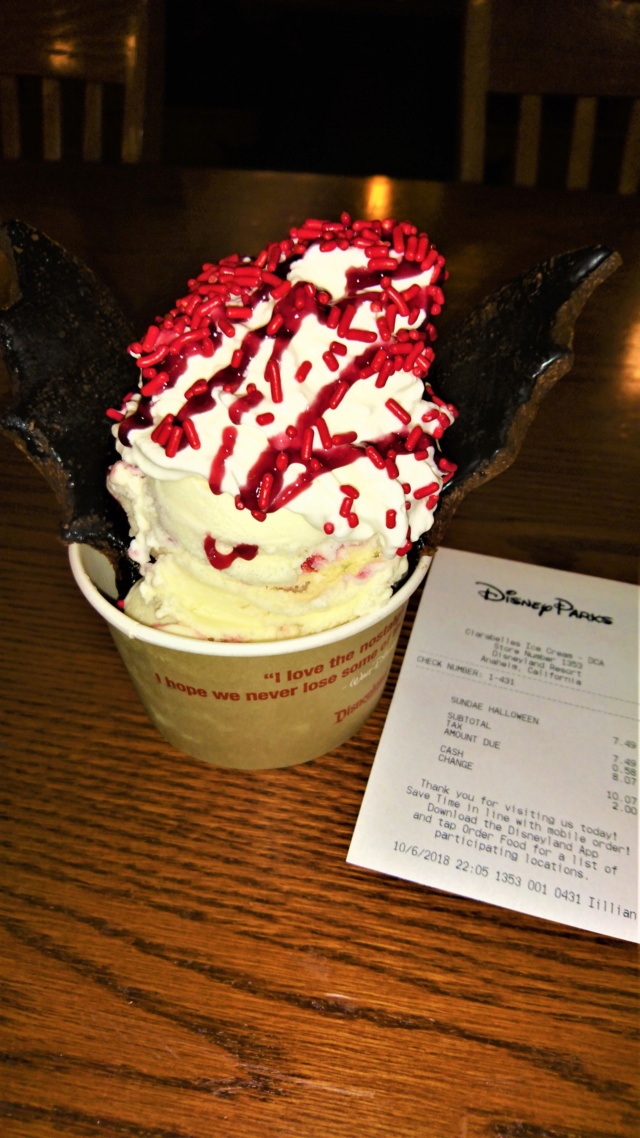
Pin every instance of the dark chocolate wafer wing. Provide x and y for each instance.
(63, 337)
(497, 365)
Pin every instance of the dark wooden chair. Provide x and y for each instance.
(587, 49)
(102, 53)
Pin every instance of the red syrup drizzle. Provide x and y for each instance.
(224, 560)
(228, 292)
(225, 450)
(140, 418)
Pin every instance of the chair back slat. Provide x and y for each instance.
(630, 165)
(51, 120)
(105, 42)
(528, 140)
(10, 117)
(92, 127)
(582, 140)
(475, 81)
(586, 49)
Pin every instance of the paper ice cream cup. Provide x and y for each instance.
(252, 705)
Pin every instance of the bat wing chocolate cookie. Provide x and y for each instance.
(64, 340)
(497, 365)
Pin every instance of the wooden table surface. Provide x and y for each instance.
(184, 952)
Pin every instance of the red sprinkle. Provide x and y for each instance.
(328, 527)
(398, 300)
(398, 411)
(325, 434)
(154, 358)
(412, 358)
(271, 279)
(273, 254)
(155, 385)
(430, 259)
(113, 413)
(339, 393)
(161, 432)
(198, 388)
(391, 518)
(375, 457)
(283, 288)
(148, 343)
(345, 319)
(446, 464)
(272, 375)
(398, 240)
(376, 251)
(303, 371)
(413, 438)
(191, 433)
(265, 418)
(331, 361)
(382, 264)
(385, 371)
(173, 442)
(426, 491)
(264, 494)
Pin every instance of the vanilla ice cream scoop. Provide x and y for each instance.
(283, 451)
(283, 446)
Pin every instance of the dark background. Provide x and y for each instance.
(351, 87)
(346, 87)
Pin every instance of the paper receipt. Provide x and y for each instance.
(507, 769)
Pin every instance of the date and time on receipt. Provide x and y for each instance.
(507, 769)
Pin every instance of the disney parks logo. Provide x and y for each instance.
(559, 605)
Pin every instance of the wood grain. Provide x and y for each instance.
(183, 951)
